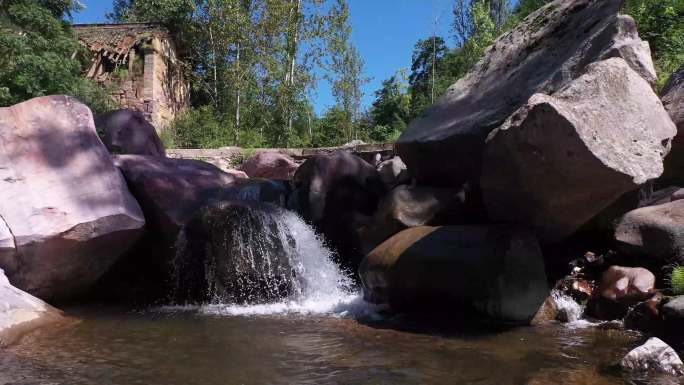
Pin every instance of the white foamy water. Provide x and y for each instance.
(320, 286)
(570, 310)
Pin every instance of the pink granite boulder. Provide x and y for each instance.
(66, 211)
(269, 165)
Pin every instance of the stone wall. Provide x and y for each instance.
(139, 63)
(230, 157)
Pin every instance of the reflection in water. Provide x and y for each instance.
(192, 347)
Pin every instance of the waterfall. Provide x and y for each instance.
(567, 308)
(262, 259)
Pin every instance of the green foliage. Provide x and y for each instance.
(677, 280)
(390, 111)
(525, 7)
(39, 54)
(330, 129)
(200, 128)
(661, 23)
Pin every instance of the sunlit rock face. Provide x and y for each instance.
(21, 312)
(548, 49)
(66, 206)
(561, 159)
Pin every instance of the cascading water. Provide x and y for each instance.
(568, 309)
(261, 259)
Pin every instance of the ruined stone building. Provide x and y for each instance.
(139, 63)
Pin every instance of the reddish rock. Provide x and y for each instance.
(236, 173)
(269, 165)
(171, 191)
(68, 208)
(627, 284)
(127, 132)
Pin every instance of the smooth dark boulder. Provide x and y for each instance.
(338, 193)
(498, 272)
(654, 232)
(540, 55)
(216, 260)
(171, 191)
(65, 208)
(562, 159)
(673, 100)
(410, 206)
(127, 132)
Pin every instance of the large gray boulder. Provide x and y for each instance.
(496, 271)
(561, 159)
(127, 132)
(655, 232)
(548, 49)
(67, 207)
(21, 312)
(673, 100)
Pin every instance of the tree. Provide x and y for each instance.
(661, 23)
(427, 69)
(39, 55)
(390, 111)
(346, 67)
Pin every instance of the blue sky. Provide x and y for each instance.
(383, 30)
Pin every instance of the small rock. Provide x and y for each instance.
(393, 172)
(674, 308)
(656, 356)
(21, 312)
(236, 173)
(645, 316)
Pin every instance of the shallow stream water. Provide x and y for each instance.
(323, 334)
(208, 346)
